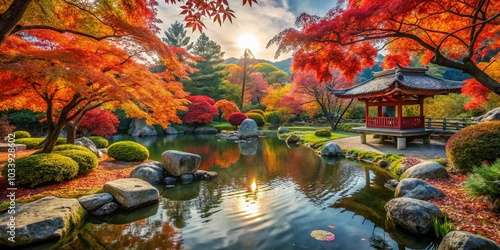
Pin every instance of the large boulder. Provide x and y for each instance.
(44, 219)
(414, 215)
(177, 163)
(139, 127)
(171, 131)
(86, 142)
(248, 128)
(417, 189)
(206, 130)
(94, 201)
(132, 192)
(151, 172)
(462, 240)
(426, 170)
(491, 115)
(332, 149)
(283, 129)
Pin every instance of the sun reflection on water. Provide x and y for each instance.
(249, 202)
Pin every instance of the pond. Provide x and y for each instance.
(266, 196)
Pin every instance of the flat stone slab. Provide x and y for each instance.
(44, 219)
(132, 192)
(95, 201)
(4, 147)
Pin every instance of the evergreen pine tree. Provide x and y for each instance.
(209, 79)
(176, 36)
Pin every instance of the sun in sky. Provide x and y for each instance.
(249, 41)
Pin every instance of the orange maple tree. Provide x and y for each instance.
(81, 74)
(455, 34)
(227, 107)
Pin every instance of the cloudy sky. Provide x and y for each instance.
(253, 27)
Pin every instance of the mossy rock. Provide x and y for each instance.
(128, 151)
(21, 134)
(39, 169)
(99, 141)
(87, 161)
(323, 132)
(472, 145)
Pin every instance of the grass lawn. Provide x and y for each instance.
(306, 134)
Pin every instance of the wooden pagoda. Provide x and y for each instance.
(388, 92)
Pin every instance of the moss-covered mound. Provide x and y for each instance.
(39, 169)
(128, 151)
(258, 118)
(473, 145)
(87, 161)
(33, 142)
(322, 132)
(21, 134)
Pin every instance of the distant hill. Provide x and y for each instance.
(283, 64)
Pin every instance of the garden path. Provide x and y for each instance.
(436, 149)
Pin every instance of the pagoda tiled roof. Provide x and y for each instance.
(402, 79)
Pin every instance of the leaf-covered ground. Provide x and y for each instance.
(467, 213)
(107, 170)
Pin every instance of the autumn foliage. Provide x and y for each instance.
(99, 122)
(236, 118)
(455, 34)
(227, 107)
(201, 110)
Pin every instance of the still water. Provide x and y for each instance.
(266, 196)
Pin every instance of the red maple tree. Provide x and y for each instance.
(455, 34)
(99, 122)
(201, 110)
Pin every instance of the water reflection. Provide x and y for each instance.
(271, 199)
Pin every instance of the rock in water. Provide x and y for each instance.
(139, 127)
(177, 163)
(95, 201)
(47, 218)
(248, 128)
(413, 215)
(332, 149)
(132, 192)
(151, 172)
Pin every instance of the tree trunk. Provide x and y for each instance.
(71, 133)
(51, 140)
(12, 16)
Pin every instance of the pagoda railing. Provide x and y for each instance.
(382, 122)
(409, 122)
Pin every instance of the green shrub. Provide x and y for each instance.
(322, 132)
(484, 180)
(66, 147)
(99, 141)
(128, 151)
(87, 161)
(35, 170)
(347, 127)
(21, 134)
(33, 142)
(257, 111)
(259, 119)
(472, 145)
(274, 118)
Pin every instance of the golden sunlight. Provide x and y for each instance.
(249, 41)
